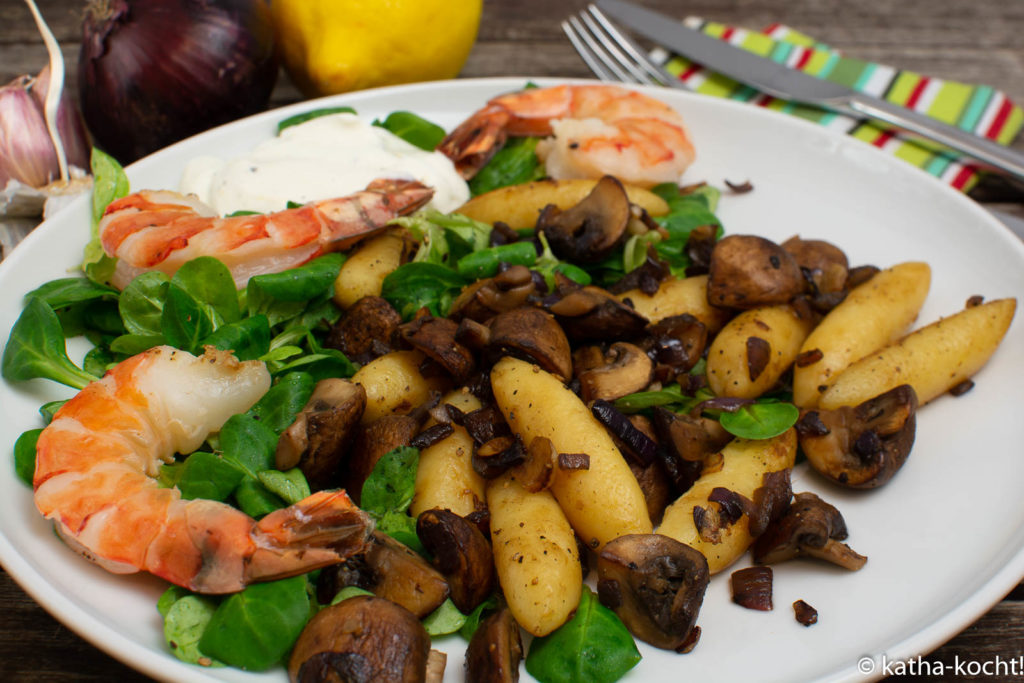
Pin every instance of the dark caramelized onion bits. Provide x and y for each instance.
(482, 424)
(647, 277)
(804, 613)
(572, 462)
(962, 388)
(677, 342)
(432, 435)
(748, 271)
(365, 330)
(752, 588)
(759, 352)
(495, 650)
(640, 447)
(809, 357)
(699, 247)
(656, 585)
(461, 553)
(771, 500)
(740, 188)
(811, 528)
(495, 457)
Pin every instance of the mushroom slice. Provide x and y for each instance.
(494, 652)
(372, 443)
(316, 442)
(864, 446)
(592, 314)
(811, 528)
(655, 584)
(365, 330)
(389, 570)
(532, 335)
(435, 337)
(677, 342)
(589, 231)
(625, 369)
(361, 639)
(484, 299)
(687, 443)
(461, 553)
(825, 267)
(748, 271)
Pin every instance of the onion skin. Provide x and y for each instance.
(152, 72)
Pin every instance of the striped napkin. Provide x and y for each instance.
(976, 108)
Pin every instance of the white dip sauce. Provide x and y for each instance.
(326, 157)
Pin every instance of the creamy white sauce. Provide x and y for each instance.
(326, 157)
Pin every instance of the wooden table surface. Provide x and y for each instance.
(979, 41)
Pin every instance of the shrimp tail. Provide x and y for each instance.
(476, 140)
(323, 529)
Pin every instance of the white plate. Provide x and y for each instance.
(945, 538)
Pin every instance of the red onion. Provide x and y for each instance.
(152, 72)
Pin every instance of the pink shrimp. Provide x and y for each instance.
(161, 230)
(96, 467)
(596, 130)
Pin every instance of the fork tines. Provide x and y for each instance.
(611, 54)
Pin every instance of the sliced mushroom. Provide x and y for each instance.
(825, 267)
(461, 553)
(389, 570)
(484, 299)
(372, 442)
(532, 335)
(317, 441)
(655, 584)
(861, 447)
(435, 337)
(495, 650)
(748, 271)
(624, 369)
(537, 469)
(592, 314)
(589, 231)
(365, 330)
(676, 343)
(811, 528)
(363, 638)
(493, 458)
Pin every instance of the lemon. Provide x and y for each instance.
(333, 46)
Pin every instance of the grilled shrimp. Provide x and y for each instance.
(96, 468)
(595, 130)
(161, 230)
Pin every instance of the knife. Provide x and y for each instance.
(785, 83)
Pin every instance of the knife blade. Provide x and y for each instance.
(783, 82)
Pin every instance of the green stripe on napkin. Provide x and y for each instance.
(976, 108)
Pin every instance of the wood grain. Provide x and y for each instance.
(980, 41)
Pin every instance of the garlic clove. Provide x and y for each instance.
(26, 151)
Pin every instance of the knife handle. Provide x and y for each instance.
(985, 151)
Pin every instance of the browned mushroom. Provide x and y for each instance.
(592, 314)
(811, 528)
(318, 439)
(484, 299)
(655, 584)
(461, 553)
(374, 441)
(589, 231)
(493, 458)
(389, 570)
(676, 343)
(623, 369)
(435, 337)
(825, 267)
(687, 443)
(748, 271)
(861, 447)
(537, 469)
(364, 332)
(495, 650)
(532, 335)
(363, 638)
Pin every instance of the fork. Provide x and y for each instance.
(612, 55)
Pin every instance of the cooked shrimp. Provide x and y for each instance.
(161, 230)
(96, 468)
(596, 130)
